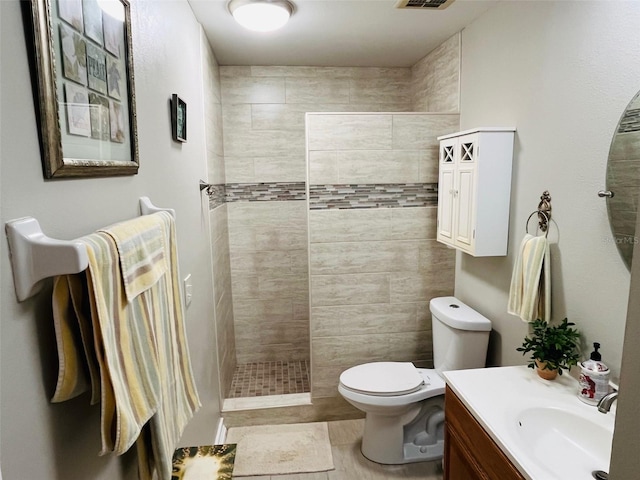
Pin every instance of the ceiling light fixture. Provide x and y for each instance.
(261, 15)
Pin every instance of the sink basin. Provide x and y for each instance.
(565, 444)
(541, 426)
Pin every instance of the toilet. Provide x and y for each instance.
(404, 405)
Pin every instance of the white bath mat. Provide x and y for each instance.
(281, 449)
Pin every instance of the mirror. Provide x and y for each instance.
(623, 180)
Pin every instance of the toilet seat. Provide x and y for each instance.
(432, 385)
(382, 378)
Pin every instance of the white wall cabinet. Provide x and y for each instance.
(474, 190)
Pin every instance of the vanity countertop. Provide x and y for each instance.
(532, 420)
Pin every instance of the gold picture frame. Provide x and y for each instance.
(83, 66)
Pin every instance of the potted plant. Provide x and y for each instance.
(553, 348)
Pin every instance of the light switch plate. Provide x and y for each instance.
(188, 290)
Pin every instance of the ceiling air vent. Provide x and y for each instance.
(424, 4)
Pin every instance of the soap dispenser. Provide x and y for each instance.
(594, 378)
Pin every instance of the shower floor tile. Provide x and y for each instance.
(270, 378)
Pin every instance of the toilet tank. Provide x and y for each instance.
(460, 335)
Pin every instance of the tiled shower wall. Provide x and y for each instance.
(221, 269)
(263, 173)
(264, 149)
(374, 260)
(435, 84)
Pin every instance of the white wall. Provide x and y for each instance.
(562, 72)
(40, 440)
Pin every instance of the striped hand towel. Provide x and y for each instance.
(153, 336)
(179, 398)
(141, 249)
(125, 345)
(146, 383)
(530, 291)
(73, 378)
(77, 358)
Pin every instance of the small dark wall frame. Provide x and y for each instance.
(178, 118)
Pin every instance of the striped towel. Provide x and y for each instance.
(124, 337)
(74, 335)
(72, 371)
(141, 249)
(145, 379)
(179, 398)
(530, 291)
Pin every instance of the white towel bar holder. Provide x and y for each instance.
(34, 256)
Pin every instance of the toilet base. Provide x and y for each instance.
(414, 436)
(416, 453)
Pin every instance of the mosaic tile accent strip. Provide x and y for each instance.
(261, 192)
(630, 122)
(270, 378)
(216, 195)
(388, 195)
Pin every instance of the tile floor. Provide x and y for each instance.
(270, 378)
(345, 436)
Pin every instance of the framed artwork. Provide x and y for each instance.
(77, 110)
(99, 112)
(178, 118)
(93, 21)
(96, 69)
(83, 66)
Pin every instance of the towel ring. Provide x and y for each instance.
(539, 212)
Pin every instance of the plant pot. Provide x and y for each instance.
(545, 372)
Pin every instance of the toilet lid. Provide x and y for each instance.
(383, 378)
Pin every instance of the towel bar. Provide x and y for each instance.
(147, 208)
(34, 256)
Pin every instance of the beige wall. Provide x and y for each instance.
(219, 231)
(40, 440)
(212, 115)
(435, 79)
(373, 270)
(264, 107)
(264, 141)
(225, 333)
(268, 245)
(562, 73)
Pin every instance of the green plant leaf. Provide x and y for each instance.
(556, 345)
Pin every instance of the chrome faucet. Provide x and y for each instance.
(604, 405)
